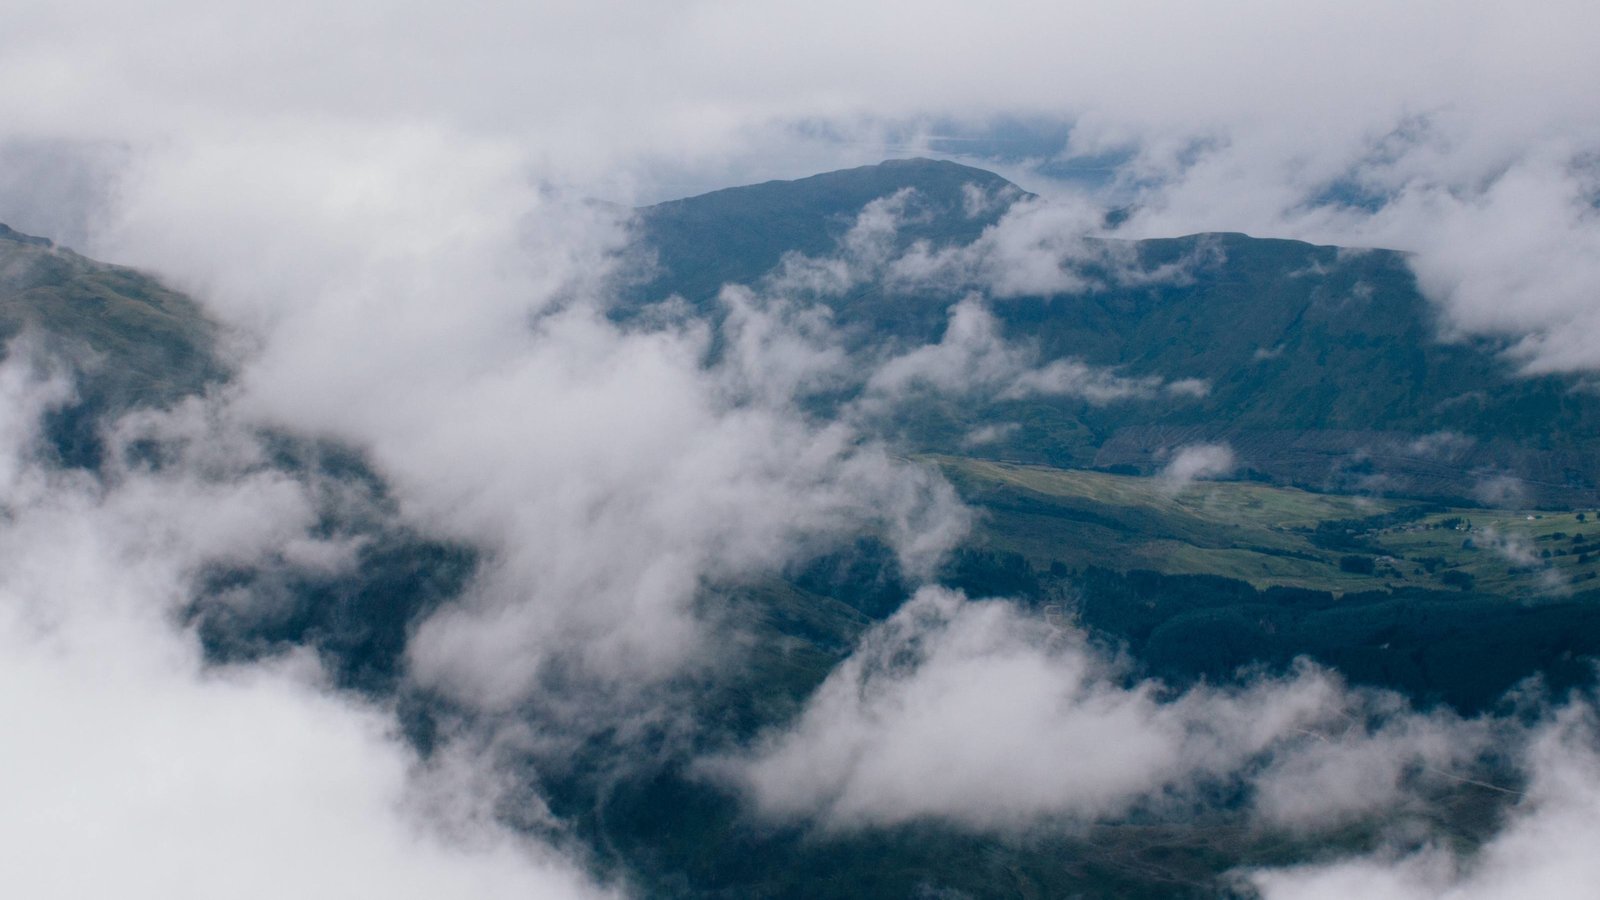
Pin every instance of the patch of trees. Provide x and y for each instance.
(1359, 565)
(1350, 534)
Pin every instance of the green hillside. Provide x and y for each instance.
(1275, 536)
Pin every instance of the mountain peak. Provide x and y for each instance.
(863, 184)
(7, 233)
(739, 233)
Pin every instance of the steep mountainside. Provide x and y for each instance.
(130, 341)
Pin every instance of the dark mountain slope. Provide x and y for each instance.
(739, 234)
(1325, 366)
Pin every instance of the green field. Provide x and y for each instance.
(1267, 535)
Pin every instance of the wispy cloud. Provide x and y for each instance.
(1196, 461)
(990, 717)
(399, 242)
(128, 749)
(1540, 849)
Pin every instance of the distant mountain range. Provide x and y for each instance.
(1322, 367)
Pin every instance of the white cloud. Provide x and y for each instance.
(394, 235)
(1503, 491)
(30, 386)
(863, 251)
(984, 435)
(985, 716)
(452, 328)
(972, 358)
(1196, 461)
(988, 717)
(1441, 444)
(133, 769)
(1357, 769)
(1475, 125)
(132, 772)
(1037, 248)
(1545, 849)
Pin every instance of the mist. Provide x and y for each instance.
(412, 222)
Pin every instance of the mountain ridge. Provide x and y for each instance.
(1304, 347)
(127, 339)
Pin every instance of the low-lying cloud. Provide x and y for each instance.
(972, 358)
(1193, 462)
(1035, 248)
(134, 768)
(608, 475)
(398, 242)
(1542, 850)
(987, 716)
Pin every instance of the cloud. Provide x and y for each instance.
(1543, 849)
(1442, 134)
(983, 715)
(1501, 237)
(31, 384)
(57, 187)
(453, 330)
(1043, 248)
(399, 240)
(781, 341)
(170, 777)
(1441, 444)
(1035, 248)
(1503, 491)
(1382, 761)
(1197, 461)
(972, 358)
(583, 70)
(862, 254)
(989, 434)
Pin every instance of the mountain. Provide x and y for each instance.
(1326, 369)
(129, 340)
(738, 234)
(1323, 367)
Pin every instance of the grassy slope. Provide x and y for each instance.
(135, 341)
(1267, 535)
